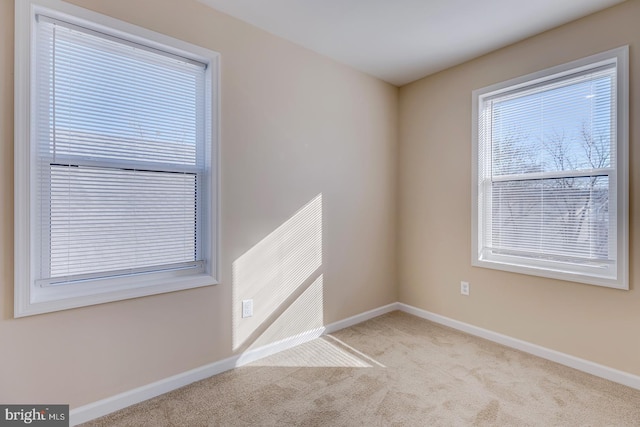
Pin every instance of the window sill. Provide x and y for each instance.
(64, 297)
(553, 273)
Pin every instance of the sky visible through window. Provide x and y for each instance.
(562, 128)
(141, 105)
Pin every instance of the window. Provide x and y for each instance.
(550, 189)
(116, 186)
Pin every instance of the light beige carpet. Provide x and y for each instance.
(394, 370)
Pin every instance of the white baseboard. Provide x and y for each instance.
(278, 346)
(359, 318)
(583, 365)
(111, 404)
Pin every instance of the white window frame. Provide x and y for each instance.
(619, 277)
(32, 298)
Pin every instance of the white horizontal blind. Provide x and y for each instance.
(120, 161)
(548, 170)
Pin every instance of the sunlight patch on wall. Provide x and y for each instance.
(301, 315)
(281, 274)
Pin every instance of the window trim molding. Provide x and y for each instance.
(620, 56)
(26, 301)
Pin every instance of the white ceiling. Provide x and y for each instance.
(400, 41)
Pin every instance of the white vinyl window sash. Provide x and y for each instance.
(550, 180)
(120, 165)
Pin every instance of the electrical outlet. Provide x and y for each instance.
(464, 288)
(247, 308)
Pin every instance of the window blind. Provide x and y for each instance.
(120, 156)
(548, 171)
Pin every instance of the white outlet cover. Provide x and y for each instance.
(247, 308)
(464, 288)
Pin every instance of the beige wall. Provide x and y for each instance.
(310, 145)
(590, 322)
(295, 126)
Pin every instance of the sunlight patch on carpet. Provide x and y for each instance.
(323, 352)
